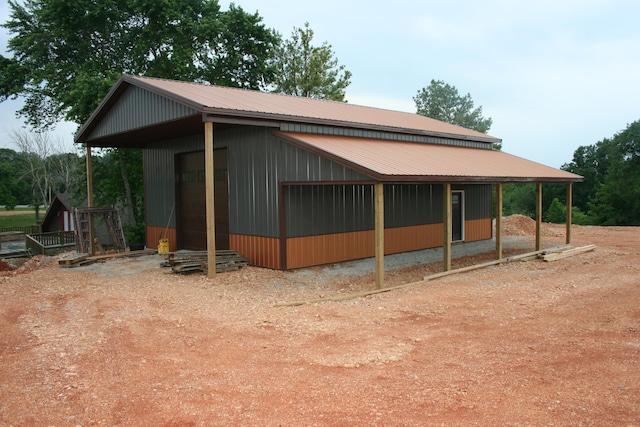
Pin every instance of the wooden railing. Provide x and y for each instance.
(26, 229)
(50, 243)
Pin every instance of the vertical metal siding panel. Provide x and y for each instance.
(262, 251)
(325, 249)
(478, 201)
(159, 178)
(410, 205)
(258, 162)
(154, 234)
(328, 209)
(252, 195)
(138, 108)
(478, 229)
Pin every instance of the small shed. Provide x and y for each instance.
(59, 216)
(294, 182)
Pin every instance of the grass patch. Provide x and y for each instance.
(17, 220)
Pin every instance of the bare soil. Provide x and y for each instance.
(527, 343)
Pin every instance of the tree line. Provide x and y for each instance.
(66, 55)
(609, 194)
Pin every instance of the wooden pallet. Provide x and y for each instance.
(72, 260)
(192, 261)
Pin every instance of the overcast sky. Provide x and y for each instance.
(552, 74)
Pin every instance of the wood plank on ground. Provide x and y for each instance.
(526, 256)
(78, 260)
(554, 256)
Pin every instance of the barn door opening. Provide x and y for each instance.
(190, 201)
(457, 216)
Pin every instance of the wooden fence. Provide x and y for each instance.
(50, 243)
(26, 229)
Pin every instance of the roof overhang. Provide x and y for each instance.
(397, 161)
(139, 138)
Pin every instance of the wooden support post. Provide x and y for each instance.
(210, 199)
(569, 208)
(379, 233)
(92, 231)
(498, 221)
(538, 215)
(446, 248)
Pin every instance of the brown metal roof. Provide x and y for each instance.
(387, 160)
(263, 105)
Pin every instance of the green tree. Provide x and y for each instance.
(13, 189)
(610, 192)
(310, 71)
(519, 199)
(617, 199)
(556, 213)
(442, 101)
(117, 176)
(244, 52)
(593, 163)
(68, 53)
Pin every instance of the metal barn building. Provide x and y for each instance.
(295, 182)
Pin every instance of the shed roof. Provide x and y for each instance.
(220, 101)
(387, 160)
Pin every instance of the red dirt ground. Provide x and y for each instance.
(527, 343)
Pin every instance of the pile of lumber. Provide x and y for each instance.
(565, 253)
(190, 261)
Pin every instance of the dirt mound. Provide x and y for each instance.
(519, 225)
(25, 265)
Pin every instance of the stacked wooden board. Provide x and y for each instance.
(565, 253)
(191, 261)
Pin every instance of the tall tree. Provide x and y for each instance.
(307, 70)
(442, 101)
(244, 52)
(617, 200)
(68, 53)
(593, 163)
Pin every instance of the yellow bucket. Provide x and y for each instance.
(163, 247)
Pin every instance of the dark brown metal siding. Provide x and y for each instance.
(191, 204)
